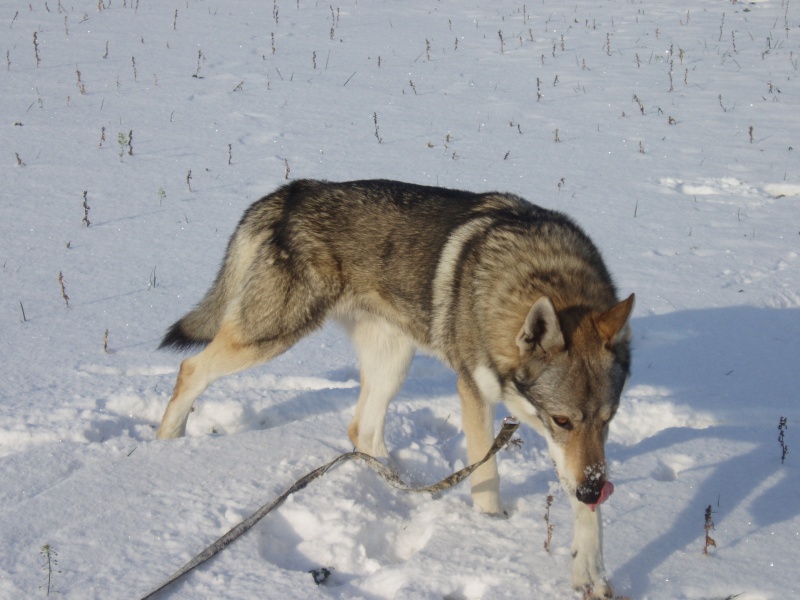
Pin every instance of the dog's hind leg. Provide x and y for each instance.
(385, 354)
(226, 354)
(277, 302)
(588, 572)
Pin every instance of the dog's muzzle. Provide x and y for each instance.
(589, 492)
(595, 493)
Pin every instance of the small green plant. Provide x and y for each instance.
(122, 142)
(49, 566)
(709, 525)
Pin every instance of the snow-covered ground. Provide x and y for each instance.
(669, 130)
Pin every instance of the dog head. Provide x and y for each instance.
(572, 367)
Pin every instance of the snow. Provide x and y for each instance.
(678, 152)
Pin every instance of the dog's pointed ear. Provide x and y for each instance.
(541, 332)
(614, 321)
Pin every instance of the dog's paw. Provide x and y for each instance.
(589, 580)
(491, 508)
(486, 497)
(596, 591)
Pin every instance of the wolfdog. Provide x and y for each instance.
(514, 298)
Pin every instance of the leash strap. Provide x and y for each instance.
(389, 475)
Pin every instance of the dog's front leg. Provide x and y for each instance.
(477, 417)
(588, 572)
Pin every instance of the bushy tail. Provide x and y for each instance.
(199, 326)
(180, 337)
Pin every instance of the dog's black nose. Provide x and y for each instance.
(590, 491)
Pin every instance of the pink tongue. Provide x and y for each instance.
(607, 490)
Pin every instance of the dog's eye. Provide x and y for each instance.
(563, 422)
